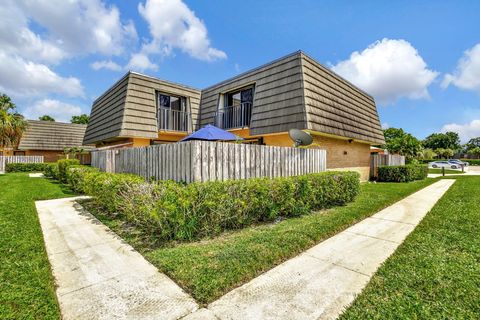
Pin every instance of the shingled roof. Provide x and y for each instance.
(294, 91)
(51, 135)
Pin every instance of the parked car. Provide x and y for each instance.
(459, 162)
(444, 164)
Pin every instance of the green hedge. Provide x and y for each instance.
(25, 167)
(169, 210)
(62, 168)
(402, 173)
(472, 162)
(51, 170)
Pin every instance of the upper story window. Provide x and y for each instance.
(237, 109)
(238, 97)
(172, 113)
(171, 102)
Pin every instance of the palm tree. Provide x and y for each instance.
(12, 124)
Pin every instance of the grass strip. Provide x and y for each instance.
(26, 284)
(435, 273)
(447, 171)
(210, 268)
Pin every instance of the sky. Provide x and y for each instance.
(420, 60)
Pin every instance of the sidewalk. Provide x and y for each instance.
(324, 280)
(98, 275)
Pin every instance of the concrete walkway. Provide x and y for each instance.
(469, 171)
(36, 175)
(98, 276)
(323, 281)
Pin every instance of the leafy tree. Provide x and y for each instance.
(46, 117)
(81, 119)
(448, 140)
(428, 154)
(400, 142)
(12, 124)
(445, 153)
(474, 152)
(71, 153)
(472, 144)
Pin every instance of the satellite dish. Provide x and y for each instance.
(300, 138)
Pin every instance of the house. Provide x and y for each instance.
(49, 139)
(260, 105)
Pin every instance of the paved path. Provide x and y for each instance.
(98, 275)
(469, 171)
(36, 175)
(324, 280)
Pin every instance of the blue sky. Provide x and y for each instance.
(419, 59)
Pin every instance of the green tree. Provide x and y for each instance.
(428, 154)
(81, 119)
(46, 117)
(474, 152)
(445, 152)
(12, 124)
(403, 143)
(447, 140)
(472, 144)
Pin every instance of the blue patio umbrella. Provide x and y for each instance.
(212, 133)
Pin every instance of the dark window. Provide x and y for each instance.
(172, 102)
(172, 112)
(237, 110)
(236, 98)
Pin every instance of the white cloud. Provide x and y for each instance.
(36, 34)
(141, 62)
(388, 70)
(174, 26)
(466, 131)
(106, 64)
(79, 27)
(385, 125)
(467, 73)
(60, 111)
(22, 78)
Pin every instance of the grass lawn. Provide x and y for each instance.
(26, 282)
(435, 273)
(447, 171)
(210, 268)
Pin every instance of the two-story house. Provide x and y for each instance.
(260, 105)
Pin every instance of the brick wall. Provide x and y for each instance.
(341, 154)
(48, 155)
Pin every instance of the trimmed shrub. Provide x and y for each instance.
(472, 162)
(51, 170)
(76, 176)
(169, 210)
(62, 168)
(108, 189)
(402, 173)
(25, 167)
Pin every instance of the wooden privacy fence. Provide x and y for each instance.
(377, 160)
(203, 161)
(18, 159)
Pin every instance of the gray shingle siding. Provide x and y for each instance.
(291, 92)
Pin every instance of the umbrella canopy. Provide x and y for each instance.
(212, 133)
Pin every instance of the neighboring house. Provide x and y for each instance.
(260, 105)
(377, 150)
(49, 139)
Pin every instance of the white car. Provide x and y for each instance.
(444, 164)
(459, 162)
